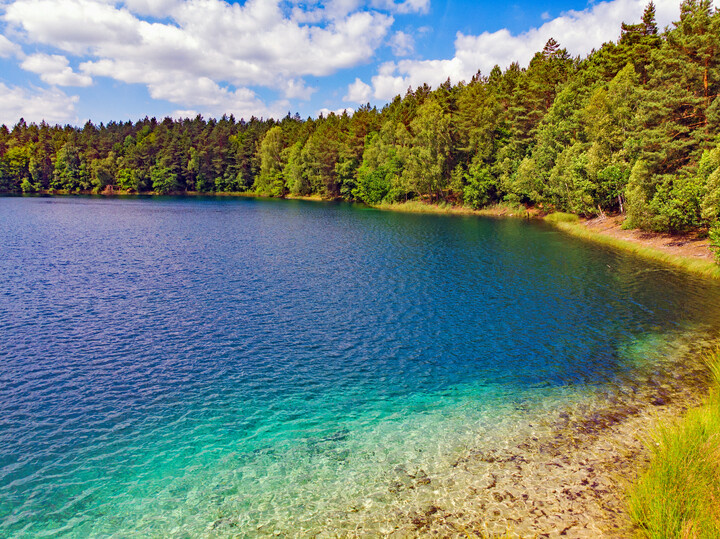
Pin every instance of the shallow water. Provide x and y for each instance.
(199, 366)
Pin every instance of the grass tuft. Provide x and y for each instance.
(679, 494)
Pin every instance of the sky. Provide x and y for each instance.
(70, 61)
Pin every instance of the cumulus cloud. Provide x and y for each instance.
(578, 31)
(183, 114)
(406, 6)
(36, 105)
(297, 89)
(402, 44)
(337, 112)
(152, 8)
(214, 100)
(76, 26)
(339, 8)
(55, 69)
(8, 48)
(358, 92)
(204, 53)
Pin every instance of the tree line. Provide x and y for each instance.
(634, 127)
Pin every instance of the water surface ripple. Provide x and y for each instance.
(238, 366)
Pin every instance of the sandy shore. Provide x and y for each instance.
(690, 245)
(688, 252)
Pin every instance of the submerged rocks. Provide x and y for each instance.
(564, 475)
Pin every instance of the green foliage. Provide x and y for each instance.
(16, 164)
(375, 172)
(163, 181)
(708, 174)
(127, 179)
(229, 183)
(676, 106)
(294, 172)
(479, 186)
(638, 192)
(320, 156)
(633, 127)
(28, 187)
(70, 169)
(714, 235)
(270, 180)
(569, 185)
(426, 169)
(676, 203)
(103, 172)
(611, 182)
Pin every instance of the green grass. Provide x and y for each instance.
(418, 206)
(679, 494)
(561, 217)
(704, 267)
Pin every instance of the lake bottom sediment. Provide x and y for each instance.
(561, 472)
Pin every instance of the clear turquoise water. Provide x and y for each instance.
(188, 367)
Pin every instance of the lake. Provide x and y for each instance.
(238, 366)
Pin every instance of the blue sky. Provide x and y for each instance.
(67, 61)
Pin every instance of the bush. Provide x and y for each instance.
(714, 236)
(27, 186)
(163, 181)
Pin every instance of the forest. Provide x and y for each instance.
(632, 128)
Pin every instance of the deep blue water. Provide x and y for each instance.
(177, 366)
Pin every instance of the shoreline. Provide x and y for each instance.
(687, 252)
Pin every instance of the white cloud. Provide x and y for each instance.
(545, 16)
(578, 31)
(334, 9)
(402, 44)
(337, 112)
(36, 105)
(182, 114)
(358, 92)
(214, 100)
(76, 26)
(297, 89)
(153, 8)
(331, 10)
(54, 69)
(204, 50)
(8, 48)
(407, 6)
